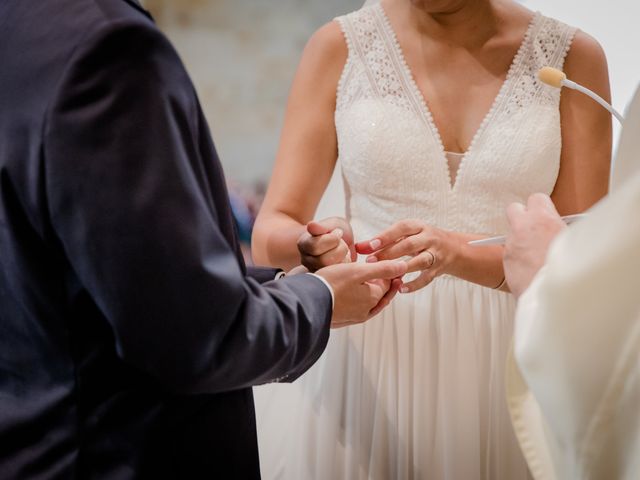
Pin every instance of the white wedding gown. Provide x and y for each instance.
(418, 392)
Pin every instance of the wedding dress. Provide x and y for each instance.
(418, 392)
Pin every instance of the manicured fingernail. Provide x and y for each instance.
(338, 232)
(375, 244)
(404, 290)
(372, 259)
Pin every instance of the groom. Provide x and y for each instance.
(130, 330)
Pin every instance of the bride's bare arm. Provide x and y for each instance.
(435, 252)
(307, 153)
(586, 130)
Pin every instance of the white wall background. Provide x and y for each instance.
(616, 25)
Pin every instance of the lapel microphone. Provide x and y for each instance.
(558, 79)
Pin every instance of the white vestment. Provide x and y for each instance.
(573, 381)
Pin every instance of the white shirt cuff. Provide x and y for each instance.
(333, 297)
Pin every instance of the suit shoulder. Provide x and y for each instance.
(95, 20)
(120, 10)
(119, 35)
(122, 55)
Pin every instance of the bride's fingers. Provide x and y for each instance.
(390, 236)
(408, 246)
(422, 281)
(424, 261)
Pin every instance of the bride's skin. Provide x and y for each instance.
(459, 52)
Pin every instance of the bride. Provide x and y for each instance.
(434, 110)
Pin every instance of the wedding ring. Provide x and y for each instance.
(433, 258)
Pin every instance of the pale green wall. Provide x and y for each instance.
(242, 55)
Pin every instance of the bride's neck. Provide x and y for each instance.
(462, 22)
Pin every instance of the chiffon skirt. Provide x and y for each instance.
(416, 393)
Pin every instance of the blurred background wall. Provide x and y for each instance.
(242, 55)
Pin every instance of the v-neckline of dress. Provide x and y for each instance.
(420, 99)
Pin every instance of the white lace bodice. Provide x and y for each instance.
(393, 161)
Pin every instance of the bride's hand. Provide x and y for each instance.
(326, 242)
(433, 250)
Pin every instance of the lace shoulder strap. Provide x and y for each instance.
(551, 43)
(360, 34)
(372, 70)
(548, 43)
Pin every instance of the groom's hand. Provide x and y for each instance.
(362, 290)
(326, 242)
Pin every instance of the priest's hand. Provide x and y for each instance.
(532, 228)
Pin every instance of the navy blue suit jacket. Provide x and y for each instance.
(130, 330)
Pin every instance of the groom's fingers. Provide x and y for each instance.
(333, 225)
(425, 278)
(318, 228)
(387, 270)
(388, 237)
(319, 245)
(408, 246)
(332, 257)
(396, 284)
(327, 225)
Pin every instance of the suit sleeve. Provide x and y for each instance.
(130, 200)
(262, 274)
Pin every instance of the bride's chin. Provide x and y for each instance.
(439, 6)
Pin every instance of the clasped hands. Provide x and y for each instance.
(427, 249)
